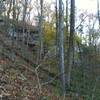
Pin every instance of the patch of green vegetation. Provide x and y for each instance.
(56, 89)
(84, 85)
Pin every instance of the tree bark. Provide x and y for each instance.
(61, 45)
(57, 28)
(41, 50)
(71, 41)
(98, 12)
(13, 54)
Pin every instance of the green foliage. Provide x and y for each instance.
(49, 33)
(78, 39)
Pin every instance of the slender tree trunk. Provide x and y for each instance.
(61, 45)
(57, 28)
(71, 40)
(41, 51)
(98, 12)
(24, 17)
(13, 55)
(66, 15)
(67, 31)
(8, 14)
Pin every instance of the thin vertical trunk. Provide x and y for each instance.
(57, 29)
(24, 10)
(98, 12)
(13, 20)
(71, 40)
(67, 31)
(13, 55)
(41, 52)
(61, 45)
(8, 13)
(66, 15)
(24, 17)
(28, 33)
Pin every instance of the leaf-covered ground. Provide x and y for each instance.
(18, 79)
(18, 83)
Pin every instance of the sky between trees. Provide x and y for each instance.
(90, 5)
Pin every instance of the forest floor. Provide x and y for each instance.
(20, 81)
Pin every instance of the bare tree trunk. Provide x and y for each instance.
(98, 12)
(8, 13)
(24, 17)
(41, 50)
(67, 31)
(67, 15)
(71, 40)
(57, 28)
(13, 54)
(61, 45)
(18, 16)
